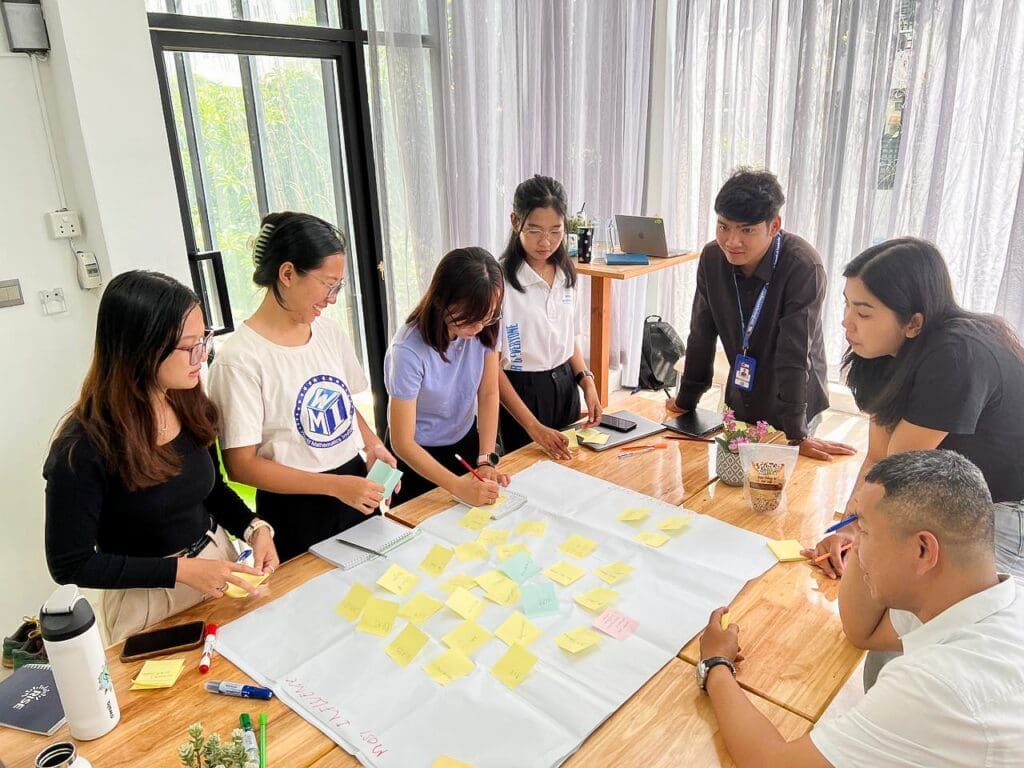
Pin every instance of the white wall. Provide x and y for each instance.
(100, 83)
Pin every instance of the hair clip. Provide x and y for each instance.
(261, 240)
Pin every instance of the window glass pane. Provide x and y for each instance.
(407, 16)
(277, 11)
(283, 11)
(223, 139)
(218, 8)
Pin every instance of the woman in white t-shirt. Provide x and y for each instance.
(284, 383)
(541, 359)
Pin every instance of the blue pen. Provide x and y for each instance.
(238, 689)
(243, 555)
(841, 524)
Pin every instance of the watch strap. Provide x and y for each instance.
(708, 664)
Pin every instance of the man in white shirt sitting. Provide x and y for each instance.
(922, 581)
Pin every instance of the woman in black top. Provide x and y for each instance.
(135, 504)
(933, 375)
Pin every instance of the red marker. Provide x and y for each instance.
(466, 465)
(211, 639)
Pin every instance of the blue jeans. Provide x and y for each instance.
(1009, 559)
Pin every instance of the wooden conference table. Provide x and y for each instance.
(797, 658)
(601, 276)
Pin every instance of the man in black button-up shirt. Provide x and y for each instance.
(788, 386)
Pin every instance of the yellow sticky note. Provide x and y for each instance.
(499, 587)
(378, 616)
(467, 638)
(436, 560)
(577, 546)
(410, 641)
(505, 551)
(352, 604)
(471, 550)
(651, 538)
(532, 528)
(492, 536)
(725, 620)
(591, 435)
(570, 435)
(237, 592)
(788, 550)
(676, 523)
(460, 580)
(158, 674)
(564, 572)
(449, 762)
(517, 629)
(398, 580)
(449, 666)
(634, 514)
(614, 572)
(464, 603)
(420, 608)
(514, 666)
(596, 599)
(576, 640)
(476, 519)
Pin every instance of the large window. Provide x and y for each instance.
(266, 111)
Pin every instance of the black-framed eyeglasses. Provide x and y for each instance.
(333, 289)
(197, 353)
(492, 320)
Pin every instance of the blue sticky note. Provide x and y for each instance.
(519, 567)
(539, 600)
(386, 476)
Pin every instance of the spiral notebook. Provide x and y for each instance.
(369, 540)
(29, 701)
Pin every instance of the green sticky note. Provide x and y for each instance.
(539, 600)
(385, 475)
(519, 567)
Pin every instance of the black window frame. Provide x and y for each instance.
(342, 47)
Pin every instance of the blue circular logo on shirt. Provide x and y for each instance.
(324, 413)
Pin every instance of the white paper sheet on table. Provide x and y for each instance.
(342, 682)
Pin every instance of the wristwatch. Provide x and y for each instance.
(706, 665)
(254, 526)
(585, 373)
(490, 459)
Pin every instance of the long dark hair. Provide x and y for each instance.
(467, 284)
(537, 192)
(909, 276)
(140, 320)
(300, 238)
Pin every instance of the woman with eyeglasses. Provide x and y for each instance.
(284, 382)
(135, 504)
(441, 373)
(541, 359)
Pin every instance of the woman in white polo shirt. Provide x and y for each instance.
(541, 360)
(284, 383)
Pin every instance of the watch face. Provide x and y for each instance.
(700, 672)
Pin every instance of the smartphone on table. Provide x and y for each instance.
(619, 425)
(156, 642)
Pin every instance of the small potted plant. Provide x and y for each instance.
(211, 752)
(579, 235)
(727, 459)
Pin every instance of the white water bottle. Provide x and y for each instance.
(73, 646)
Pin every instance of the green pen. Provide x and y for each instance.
(263, 740)
(248, 738)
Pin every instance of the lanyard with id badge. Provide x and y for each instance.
(746, 366)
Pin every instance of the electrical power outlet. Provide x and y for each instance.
(64, 224)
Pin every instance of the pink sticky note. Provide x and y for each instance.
(616, 624)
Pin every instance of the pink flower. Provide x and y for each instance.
(729, 417)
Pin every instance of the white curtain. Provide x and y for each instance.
(510, 88)
(959, 179)
(797, 86)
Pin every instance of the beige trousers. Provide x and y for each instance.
(127, 611)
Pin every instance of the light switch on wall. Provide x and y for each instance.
(53, 301)
(10, 293)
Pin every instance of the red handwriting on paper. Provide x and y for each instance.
(314, 702)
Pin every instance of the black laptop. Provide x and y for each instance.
(695, 423)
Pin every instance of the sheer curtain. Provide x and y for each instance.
(797, 86)
(959, 179)
(509, 89)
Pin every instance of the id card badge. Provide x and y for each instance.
(743, 372)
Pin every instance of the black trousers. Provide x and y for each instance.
(413, 484)
(552, 396)
(300, 520)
